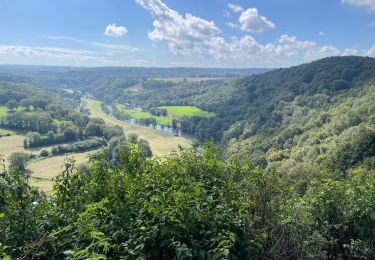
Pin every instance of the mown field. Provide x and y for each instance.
(44, 170)
(139, 114)
(190, 111)
(162, 143)
(11, 144)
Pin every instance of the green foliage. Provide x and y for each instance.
(86, 145)
(11, 104)
(18, 161)
(188, 205)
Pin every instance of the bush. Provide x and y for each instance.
(44, 153)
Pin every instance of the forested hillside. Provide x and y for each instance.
(306, 114)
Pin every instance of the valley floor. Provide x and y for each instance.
(162, 143)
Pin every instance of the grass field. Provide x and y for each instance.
(161, 143)
(44, 170)
(14, 143)
(139, 114)
(11, 144)
(180, 111)
(3, 110)
(6, 131)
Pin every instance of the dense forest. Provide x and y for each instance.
(287, 171)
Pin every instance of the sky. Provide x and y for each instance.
(184, 33)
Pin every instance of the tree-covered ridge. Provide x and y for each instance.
(280, 114)
(191, 205)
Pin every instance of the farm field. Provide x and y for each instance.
(11, 144)
(44, 170)
(161, 143)
(139, 114)
(190, 111)
(14, 143)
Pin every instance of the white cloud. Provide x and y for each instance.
(235, 8)
(322, 34)
(111, 47)
(371, 51)
(251, 21)
(321, 52)
(195, 37)
(368, 4)
(232, 25)
(350, 52)
(58, 37)
(32, 51)
(115, 31)
(15, 54)
(115, 47)
(183, 34)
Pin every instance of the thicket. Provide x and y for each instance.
(188, 205)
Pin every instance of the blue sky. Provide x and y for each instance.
(166, 33)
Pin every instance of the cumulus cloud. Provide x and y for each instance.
(235, 8)
(189, 35)
(115, 31)
(368, 4)
(251, 21)
(183, 34)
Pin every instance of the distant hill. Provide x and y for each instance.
(80, 76)
(298, 114)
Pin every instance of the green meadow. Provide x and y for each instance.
(189, 111)
(173, 112)
(3, 110)
(139, 114)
